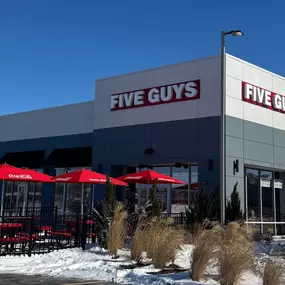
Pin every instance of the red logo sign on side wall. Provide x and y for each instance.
(263, 98)
(184, 91)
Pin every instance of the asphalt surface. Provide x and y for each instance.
(11, 279)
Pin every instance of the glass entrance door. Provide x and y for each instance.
(265, 200)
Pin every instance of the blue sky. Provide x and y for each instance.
(52, 51)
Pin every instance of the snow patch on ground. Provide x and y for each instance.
(96, 264)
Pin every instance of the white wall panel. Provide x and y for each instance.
(238, 71)
(234, 67)
(233, 87)
(257, 114)
(206, 70)
(58, 121)
(235, 106)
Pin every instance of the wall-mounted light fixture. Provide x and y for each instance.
(210, 164)
(236, 166)
(149, 151)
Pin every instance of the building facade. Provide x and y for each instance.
(167, 119)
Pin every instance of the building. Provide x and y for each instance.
(167, 119)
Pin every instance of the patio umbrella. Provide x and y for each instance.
(86, 176)
(12, 173)
(148, 177)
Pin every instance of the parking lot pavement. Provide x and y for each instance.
(13, 279)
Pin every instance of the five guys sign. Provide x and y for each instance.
(184, 91)
(264, 98)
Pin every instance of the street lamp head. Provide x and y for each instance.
(236, 33)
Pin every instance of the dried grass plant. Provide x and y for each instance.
(140, 242)
(273, 273)
(205, 244)
(235, 255)
(165, 245)
(117, 231)
(159, 240)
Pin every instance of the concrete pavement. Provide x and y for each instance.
(13, 279)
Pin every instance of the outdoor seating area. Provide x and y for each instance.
(42, 230)
(36, 230)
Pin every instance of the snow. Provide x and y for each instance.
(96, 264)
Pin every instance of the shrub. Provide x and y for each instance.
(117, 230)
(273, 272)
(205, 244)
(235, 254)
(233, 208)
(153, 207)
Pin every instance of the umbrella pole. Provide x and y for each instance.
(92, 197)
(26, 193)
(2, 198)
(82, 196)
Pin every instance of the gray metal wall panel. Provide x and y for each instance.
(234, 127)
(253, 145)
(191, 141)
(258, 151)
(279, 155)
(234, 147)
(46, 144)
(258, 133)
(279, 137)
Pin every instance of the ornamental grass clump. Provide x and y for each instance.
(117, 230)
(165, 245)
(273, 273)
(140, 242)
(205, 244)
(159, 240)
(235, 255)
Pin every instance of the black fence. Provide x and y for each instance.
(41, 230)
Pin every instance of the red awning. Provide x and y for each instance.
(11, 173)
(86, 176)
(148, 177)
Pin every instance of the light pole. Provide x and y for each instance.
(235, 33)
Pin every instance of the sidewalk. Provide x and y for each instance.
(13, 279)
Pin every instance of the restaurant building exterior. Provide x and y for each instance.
(166, 119)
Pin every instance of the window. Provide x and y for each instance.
(178, 194)
(265, 200)
(253, 195)
(68, 195)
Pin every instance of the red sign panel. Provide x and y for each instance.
(263, 98)
(184, 91)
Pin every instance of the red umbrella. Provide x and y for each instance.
(148, 177)
(12, 173)
(86, 176)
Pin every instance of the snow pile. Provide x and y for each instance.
(96, 264)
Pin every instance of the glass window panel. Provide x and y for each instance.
(73, 195)
(180, 192)
(73, 198)
(267, 196)
(162, 188)
(143, 190)
(253, 195)
(194, 174)
(59, 191)
(280, 198)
